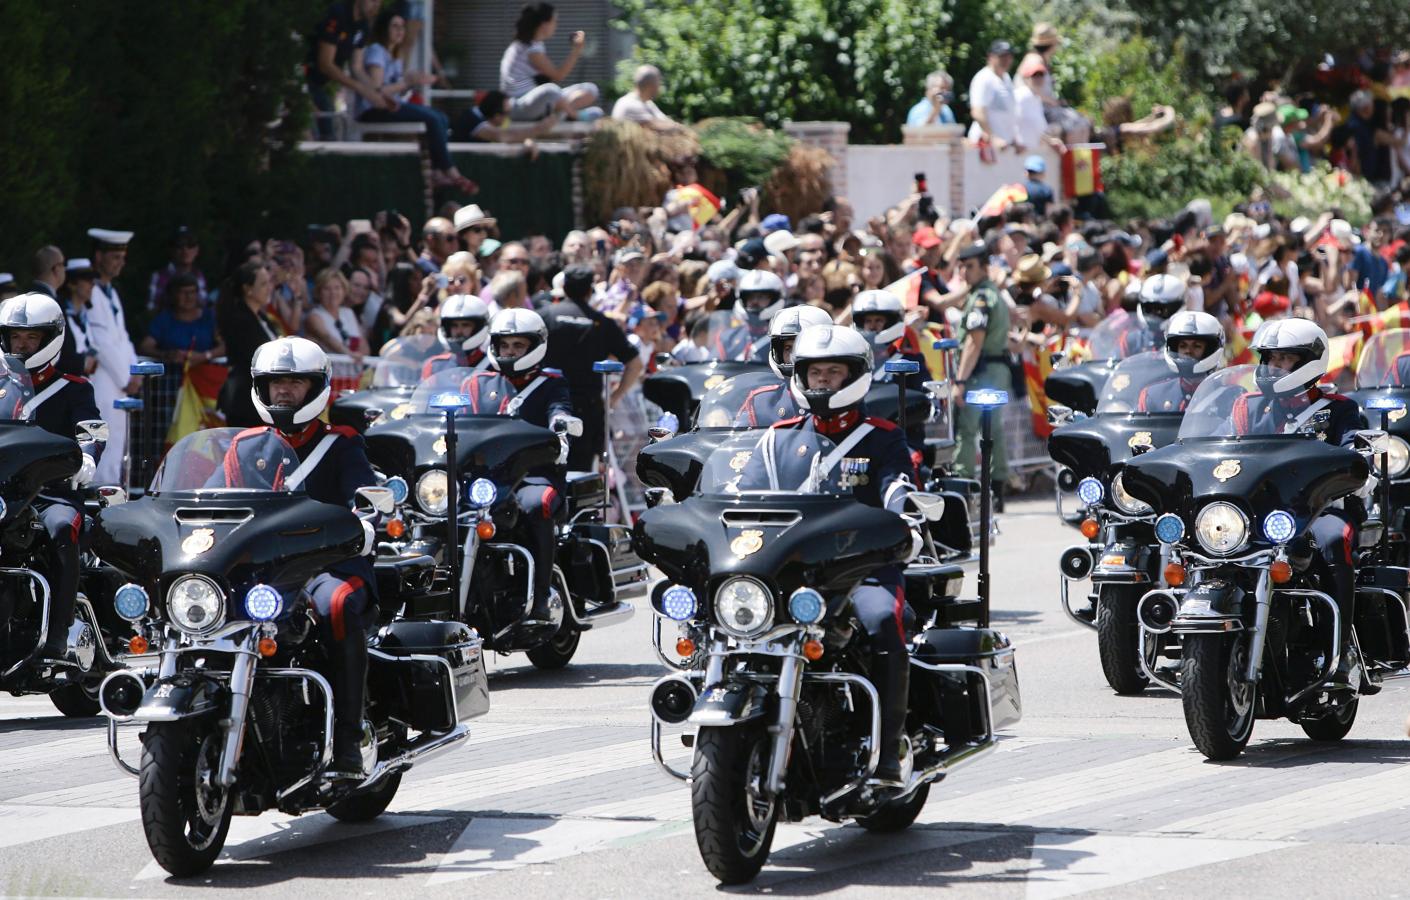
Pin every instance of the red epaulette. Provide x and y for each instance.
(784, 423)
(757, 391)
(346, 431)
(883, 424)
(76, 379)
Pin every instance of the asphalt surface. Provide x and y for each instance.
(556, 796)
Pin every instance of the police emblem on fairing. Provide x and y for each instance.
(748, 542)
(1227, 469)
(198, 541)
(1140, 439)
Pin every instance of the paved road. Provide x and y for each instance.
(556, 796)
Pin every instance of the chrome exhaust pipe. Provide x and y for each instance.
(672, 700)
(121, 694)
(1156, 611)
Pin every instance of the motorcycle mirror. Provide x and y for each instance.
(95, 430)
(664, 359)
(1373, 440)
(372, 415)
(379, 498)
(657, 434)
(111, 495)
(931, 506)
(1059, 414)
(659, 496)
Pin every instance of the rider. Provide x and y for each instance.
(831, 376)
(1162, 296)
(1194, 347)
(771, 402)
(464, 329)
(880, 317)
(758, 298)
(1292, 356)
(290, 387)
(32, 328)
(517, 385)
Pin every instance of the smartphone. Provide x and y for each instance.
(441, 281)
(358, 226)
(601, 247)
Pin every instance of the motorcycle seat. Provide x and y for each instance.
(585, 489)
(932, 585)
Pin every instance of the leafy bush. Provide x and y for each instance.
(1160, 178)
(743, 149)
(1313, 193)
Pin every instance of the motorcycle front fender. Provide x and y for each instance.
(1216, 601)
(730, 704)
(182, 697)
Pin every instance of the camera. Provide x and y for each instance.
(925, 209)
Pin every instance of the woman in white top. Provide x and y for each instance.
(332, 324)
(525, 64)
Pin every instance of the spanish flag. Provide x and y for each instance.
(999, 201)
(1344, 350)
(702, 204)
(196, 401)
(907, 288)
(1082, 170)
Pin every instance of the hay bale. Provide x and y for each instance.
(625, 164)
(801, 183)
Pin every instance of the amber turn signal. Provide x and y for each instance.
(485, 530)
(1280, 571)
(396, 528)
(1090, 528)
(138, 645)
(268, 647)
(1174, 574)
(812, 650)
(685, 647)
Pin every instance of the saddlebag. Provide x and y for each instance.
(600, 563)
(958, 696)
(429, 675)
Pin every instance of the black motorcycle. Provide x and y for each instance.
(1248, 615)
(1382, 388)
(394, 377)
(454, 475)
(1078, 378)
(239, 712)
(1121, 556)
(788, 721)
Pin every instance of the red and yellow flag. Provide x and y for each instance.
(999, 201)
(196, 407)
(702, 204)
(1082, 170)
(907, 288)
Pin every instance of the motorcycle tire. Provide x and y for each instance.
(897, 815)
(1335, 725)
(1119, 639)
(558, 651)
(185, 828)
(367, 805)
(74, 702)
(734, 833)
(1219, 717)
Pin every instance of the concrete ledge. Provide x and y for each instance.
(374, 148)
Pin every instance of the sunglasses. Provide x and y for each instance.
(478, 229)
(515, 261)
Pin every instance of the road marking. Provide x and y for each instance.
(1022, 642)
(1063, 865)
(490, 845)
(37, 823)
(51, 753)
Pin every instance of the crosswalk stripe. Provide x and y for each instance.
(50, 753)
(21, 825)
(490, 844)
(1063, 865)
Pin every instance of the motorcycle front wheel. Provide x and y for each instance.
(185, 815)
(734, 823)
(1119, 638)
(1219, 704)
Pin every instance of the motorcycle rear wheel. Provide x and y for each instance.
(897, 815)
(734, 825)
(1219, 706)
(369, 804)
(1119, 641)
(184, 815)
(558, 651)
(74, 702)
(1335, 725)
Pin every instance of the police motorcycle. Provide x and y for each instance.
(1249, 613)
(239, 712)
(1382, 389)
(455, 473)
(1140, 410)
(680, 387)
(762, 565)
(396, 373)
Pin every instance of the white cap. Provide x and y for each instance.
(6, 278)
(471, 215)
(109, 236)
(1299, 225)
(72, 265)
(722, 270)
(557, 290)
(780, 242)
(1341, 230)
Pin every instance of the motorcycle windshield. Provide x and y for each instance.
(16, 390)
(1231, 404)
(227, 459)
(1143, 383)
(722, 404)
(732, 338)
(401, 360)
(1117, 337)
(433, 393)
(1385, 360)
(780, 461)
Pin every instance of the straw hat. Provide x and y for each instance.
(1031, 270)
(1045, 34)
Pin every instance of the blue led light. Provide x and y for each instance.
(482, 492)
(263, 603)
(1090, 490)
(449, 400)
(986, 398)
(669, 421)
(1169, 528)
(1279, 526)
(902, 366)
(678, 602)
(947, 344)
(3, 508)
(608, 367)
(806, 606)
(130, 602)
(397, 485)
(1383, 401)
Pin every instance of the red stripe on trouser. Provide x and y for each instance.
(549, 495)
(899, 614)
(1346, 542)
(77, 525)
(335, 606)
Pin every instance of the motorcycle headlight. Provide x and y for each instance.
(195, 604)
(1169, 528)
(397, 485)
(1279, 526)
(263, 603)
(678, 602)
(482, 493)
(1089, 490)
(432, 492)
(1399, 458)
(1124, 501)
(806, 606)
(1221, 527)
(130, 602)
(743, 607)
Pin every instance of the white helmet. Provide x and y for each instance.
(784, 327)
(763, 285)
(521, 323)
(34, 312)
(297, 357)
(1300, 336)
(1162, 296)
(1188, 324)
(880, 303)
(831, 343)
(1133, 290)
(465, 308)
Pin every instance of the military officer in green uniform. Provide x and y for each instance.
(983, 336)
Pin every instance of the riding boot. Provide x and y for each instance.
(997, 487)
(349, 690)
(891, 674)
(1351, 670)
(62, 601)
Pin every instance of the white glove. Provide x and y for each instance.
(86, 471)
